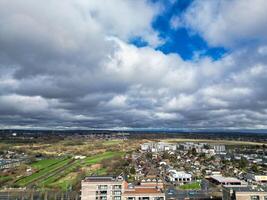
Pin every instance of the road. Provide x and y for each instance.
(205, 192)
(182, 194)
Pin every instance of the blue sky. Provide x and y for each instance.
(182, 41)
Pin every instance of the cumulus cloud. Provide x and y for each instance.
(228, 23)
(75, 67)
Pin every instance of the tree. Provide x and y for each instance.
(255, 168)
(132, 170)
(149, 155)
(194, 152)
(243, 163)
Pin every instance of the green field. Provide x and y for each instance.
(5, 178)
(191, 186)
(54, 172)
(45, 163)
(112, 142)
(64, 182)
(98, 158)
(42, 173)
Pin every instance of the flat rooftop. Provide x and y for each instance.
(246, 188)
(101, 179)
(222, 179)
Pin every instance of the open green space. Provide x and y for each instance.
(191, 186)
(67, 169)
(5, 178)
(54, 172)
(45, 163)
(112, 142)
(100, 172)
(98, 158)
(63, 181)
(42, 173)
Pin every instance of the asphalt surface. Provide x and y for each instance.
(205, 193)
(172, 193)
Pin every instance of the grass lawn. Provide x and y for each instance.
(65, 182)
(69, 177)
(55, 172)
(190, 186)
(4, 179)
(52, 179)
(45, 163)
(112, 142)
(43, 172)
(98, 158)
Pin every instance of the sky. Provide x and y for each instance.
(133, 64)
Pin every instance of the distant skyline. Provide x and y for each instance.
(181, 64)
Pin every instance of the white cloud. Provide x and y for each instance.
(74, 67)
(182, 102)
(118, 101)
(228, 23)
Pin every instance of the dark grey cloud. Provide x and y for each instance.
(73, 67)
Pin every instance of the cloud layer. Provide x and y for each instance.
(70, 64)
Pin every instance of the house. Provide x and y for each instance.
(179, 177)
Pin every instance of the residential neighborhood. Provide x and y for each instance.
(200, 170)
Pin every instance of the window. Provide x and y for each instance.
(131, 198)
(117, 187)
(255, 197)
(103, 198)
(158, 198)
(117, 192)
(103, 192)
(117, 198)
(265, 197)
(102, 187)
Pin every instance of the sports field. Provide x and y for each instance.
(190, 186)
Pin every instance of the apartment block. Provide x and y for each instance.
(115, 188)
(244, 193)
